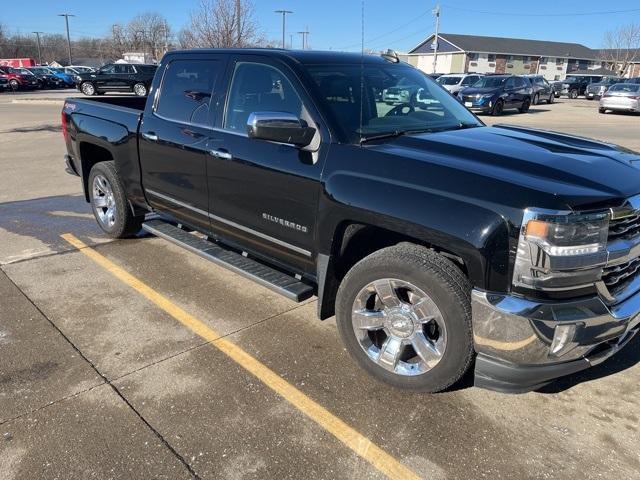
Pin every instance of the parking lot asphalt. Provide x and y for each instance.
(100, 379)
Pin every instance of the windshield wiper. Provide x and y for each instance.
(394, 134)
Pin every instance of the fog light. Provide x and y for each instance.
(563, 339)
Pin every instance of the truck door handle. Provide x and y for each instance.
(150, 136)
(221, 153)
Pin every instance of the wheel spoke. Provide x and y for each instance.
(424, 309)
(386, 293)
(425, 349)
(100, 201)
(368, 319)
(390, 353)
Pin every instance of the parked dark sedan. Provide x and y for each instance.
(495, 93)
(542, 91)
(117, 77)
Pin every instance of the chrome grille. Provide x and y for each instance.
(625, 227)
(617, 277)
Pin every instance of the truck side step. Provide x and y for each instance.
(266, 276)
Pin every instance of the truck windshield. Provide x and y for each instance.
(397, 99)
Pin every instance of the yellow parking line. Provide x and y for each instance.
(357, 442)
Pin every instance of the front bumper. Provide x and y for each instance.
(513, 338)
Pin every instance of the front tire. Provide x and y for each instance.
(573, 94)
(602, 110)
(551, 99)
(15, 86)
(88, 89)
(525, 106)
(404, 314)
(109, 202)
(498, 108)
(536, 99)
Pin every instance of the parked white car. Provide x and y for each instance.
(455, 82)
(621, 97)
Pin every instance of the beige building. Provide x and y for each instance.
(476, 54)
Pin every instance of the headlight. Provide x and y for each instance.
(602, 88)
(559, 251)
(78, 78)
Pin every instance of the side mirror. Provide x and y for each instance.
(281, 127)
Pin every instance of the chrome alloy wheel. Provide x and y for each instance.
(399, 327)
(139, 89)
(88, 88)
(103, 201)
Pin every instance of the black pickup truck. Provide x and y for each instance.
(442, 246)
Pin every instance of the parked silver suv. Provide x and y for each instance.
(454, 82)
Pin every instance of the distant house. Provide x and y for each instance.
(472, 53)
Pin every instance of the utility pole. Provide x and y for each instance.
(66, 19)
(291, 41)
(39, 50)
(284, 23)
(436, 12)
(304, 37)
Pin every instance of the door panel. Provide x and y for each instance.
(263, 195)
(174, 139)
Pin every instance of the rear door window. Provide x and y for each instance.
(185, 94)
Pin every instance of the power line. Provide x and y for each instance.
(389, 32)
(514, 14)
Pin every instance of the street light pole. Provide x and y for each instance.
(284, 16)
(66, 19)
(39, 50)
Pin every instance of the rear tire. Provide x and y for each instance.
(602, 110)
(551, 99)
(536, 99)
(573, 94)
(140, 89)
(109, 202)
(428, 305)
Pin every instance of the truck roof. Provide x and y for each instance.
(301, 56)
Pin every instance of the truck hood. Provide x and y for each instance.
(569, 172)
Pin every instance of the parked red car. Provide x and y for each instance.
(18, 81)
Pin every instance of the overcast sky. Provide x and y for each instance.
(336, 24)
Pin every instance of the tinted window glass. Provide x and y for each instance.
(258, 88)
(186, 90)
(108, 69)
(146, 68)
(395, 97)
(520, 82)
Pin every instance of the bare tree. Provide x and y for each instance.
(150, 33)
(621, 47)
(220, 24)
